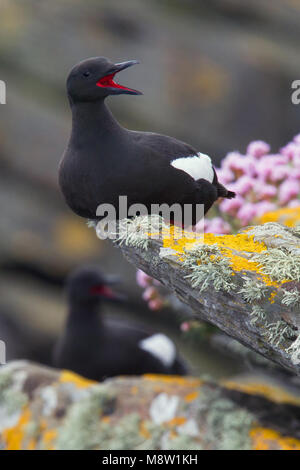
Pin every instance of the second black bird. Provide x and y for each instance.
(98, 347)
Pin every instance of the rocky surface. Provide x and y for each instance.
(42, 408)
(214, 73)
(246, 284)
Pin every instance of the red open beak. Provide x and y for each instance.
(108, 80)
(106, 292)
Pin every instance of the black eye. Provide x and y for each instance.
(86, 74)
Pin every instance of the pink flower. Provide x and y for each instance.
(224, 175)
(278, 159)
(246, 213)
(295, 172)
(263, 207)
(264, 168)
(279, 173)
(294, 203)
(258, 148)
(244, 184)
(264, 191)
(236, 162)
(142, 279)
(288, 190)
(231, 161)
(230, 206)
(291, 150)
(217, 225)
(185, 326)
(297, 139)
(150, 294)
(156, 304)
(247, 165)
(296, 161)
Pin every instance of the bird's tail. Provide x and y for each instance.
(179, 367)
(223, 192)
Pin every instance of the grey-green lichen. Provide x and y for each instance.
(258, 315)
(294, 351)
(84, 429)
(279, 263)
(182, 442)
(11, 399)
(5, 380)
(274, 234)
(208, 266)
(278, 332)
(296, 229)
(253, 290)
(32, 429)
(224, 423)
(227, 424)
(291, 298)
(139, 231)
(123, 436)
(80, 428)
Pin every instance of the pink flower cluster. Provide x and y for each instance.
(262, 181)
(151, 293)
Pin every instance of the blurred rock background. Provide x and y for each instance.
(215, 73)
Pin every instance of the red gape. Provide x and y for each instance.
(102, 290)
(108, 81)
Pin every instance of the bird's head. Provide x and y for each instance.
(88, 285)
(93, 79)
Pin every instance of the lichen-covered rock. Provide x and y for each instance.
(42, 408)
(247, 284)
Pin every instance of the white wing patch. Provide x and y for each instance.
(160, 347)
(197, 166)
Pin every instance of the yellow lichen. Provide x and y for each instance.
(272, 392)
(177, 421)
(271, 298)
(106, 419)
(191, 397)
(236, 248)
(14, 436)
(144, 432)
(48, 438)
(173, 434)
(43, 424)
(179, 240)
(289, 216)
(31, 444)
(80, 382)
(238, 242)
(174, 379)
(268, 439)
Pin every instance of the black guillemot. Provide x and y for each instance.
(97, 347)
(103, 160)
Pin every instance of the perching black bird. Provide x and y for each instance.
(103, 160)
(97, 347)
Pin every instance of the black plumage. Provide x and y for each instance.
(103, 160)
(98, 347)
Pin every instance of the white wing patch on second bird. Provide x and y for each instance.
(161, 347)
(197, 166)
